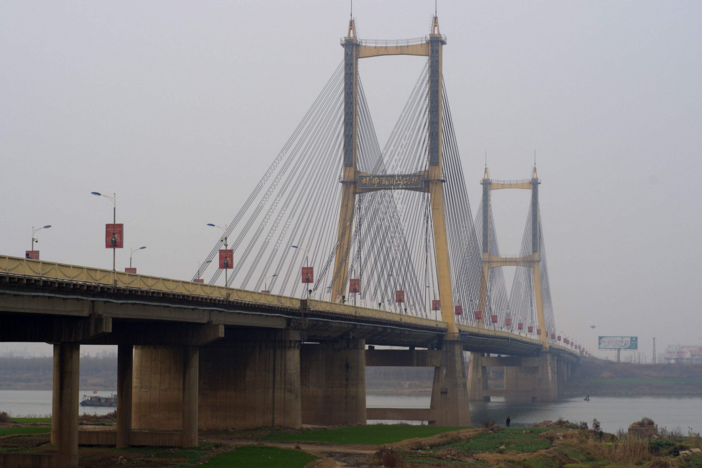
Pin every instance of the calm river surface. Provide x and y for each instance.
(613, 412)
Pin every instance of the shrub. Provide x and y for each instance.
(4, 417)
(387, 458)
(628, 451)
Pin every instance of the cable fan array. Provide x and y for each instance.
(291, 218)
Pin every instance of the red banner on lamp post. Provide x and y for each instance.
(355, 286)
(520, 326)
(508, 322)
(530, 329)
(199, 280)
(459, 310)
(308, 275)
(493, 318)
(399, 296)
(478, 315)
(130, 270)
(226, 259)
(32, 254)
(114, 236)
(436, 304)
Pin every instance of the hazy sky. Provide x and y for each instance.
(180, 107)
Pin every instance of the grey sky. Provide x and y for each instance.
(180, 107)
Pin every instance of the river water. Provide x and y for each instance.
(613, 412)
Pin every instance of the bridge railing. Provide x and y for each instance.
(87, 275)
(366, 312)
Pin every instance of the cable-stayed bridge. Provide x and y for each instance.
(343, 246)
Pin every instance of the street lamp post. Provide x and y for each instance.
(223, 239)
(34, 232)
(113, 198)
(131, 253)
(307, 263)
(265, 284)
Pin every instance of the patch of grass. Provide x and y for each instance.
(5, 431)
(32, 420)
(190, 455)
(696, 460)
(260, 457)
(366, 435)
(514, 439)
(537, 462)
(429, 458)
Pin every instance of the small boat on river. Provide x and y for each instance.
(95, 400)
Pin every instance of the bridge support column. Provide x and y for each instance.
(449, 395)
(125, 372)
(477, 379)
(65, 403)
(548, 377)
(333, 382)
(536, 379)
(191, 360)
(249, 380)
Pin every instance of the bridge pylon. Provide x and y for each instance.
(532, 260)
(430, 180)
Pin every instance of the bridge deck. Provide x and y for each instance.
(155, 298)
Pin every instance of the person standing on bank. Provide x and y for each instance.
(508, 421)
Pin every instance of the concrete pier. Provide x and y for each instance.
(333, 382)
(249, 380)
(526, 379)
(65, 412)
(125, 372)
(449, 395)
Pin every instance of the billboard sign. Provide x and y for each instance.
(308, 275)
(399, 296)
(32, 254)
(114, 236)
(226, 259)
(618, 342)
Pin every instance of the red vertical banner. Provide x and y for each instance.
(530, 329)
(493, 319)
(520, 326)
(308, 275)
(399, 296)
(459, 310)
(436, 304)
(114, 236)
(553, 336)
(508, 322)
(32, 254)
(130, 270)
(478, 315)
(226, 259)
(538, 331)
(559, 337)
(199, 281)
(354, 286)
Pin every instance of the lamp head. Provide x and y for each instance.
(98, 194)
(211, 225)
(142, 248)
(47, 226)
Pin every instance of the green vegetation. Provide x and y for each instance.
(260, 457)
(5, 431)
(514, 439)
(365, 435)
(31, 420)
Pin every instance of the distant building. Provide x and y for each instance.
(676, 354)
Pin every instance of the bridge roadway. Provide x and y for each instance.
(196, 357)
(47, 288)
